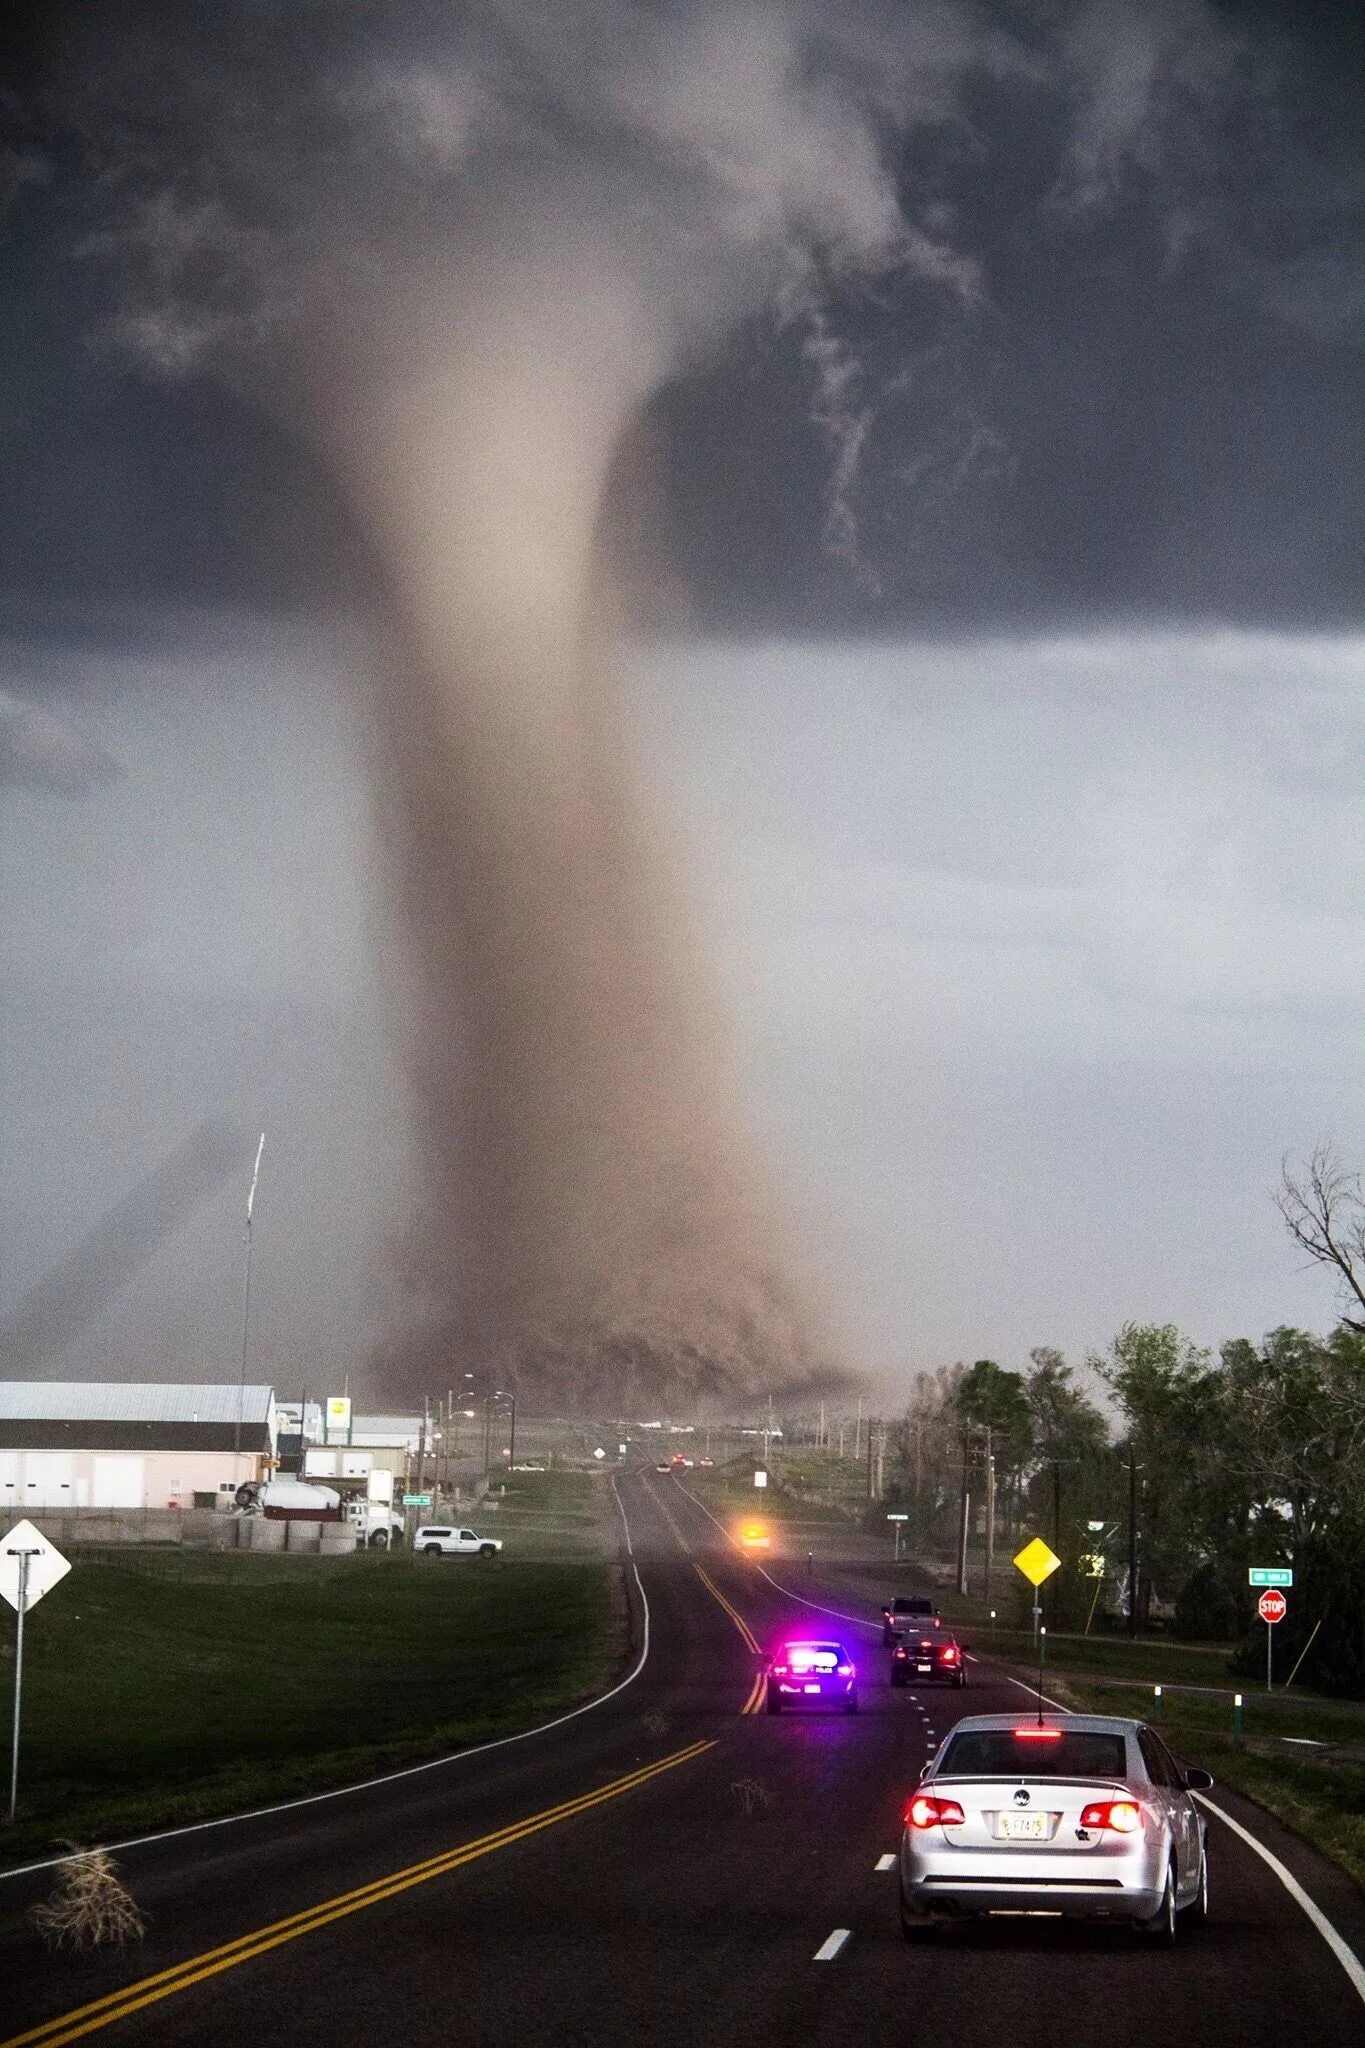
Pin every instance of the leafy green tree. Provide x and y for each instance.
(1074, 1479)
(1295, 1434)
(1171, 1399)
(924, 1461)
(993, 1409)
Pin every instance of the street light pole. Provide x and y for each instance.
(511, 1401)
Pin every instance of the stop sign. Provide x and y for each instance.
(1272, 1606)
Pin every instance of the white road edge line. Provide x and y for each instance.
(458, 1756)
(858, 1620)
(885, 1863)
(828, 1950)
(1345, 1955)
(1032, 1692)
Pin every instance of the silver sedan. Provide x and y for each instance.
(1085, 1815)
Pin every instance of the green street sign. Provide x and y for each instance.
(1270, 1575)
(416, 1500)
(898, 1518)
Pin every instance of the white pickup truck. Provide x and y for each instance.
(375, 1524)
(443, 1539)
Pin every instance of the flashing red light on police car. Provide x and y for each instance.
(927, 1812)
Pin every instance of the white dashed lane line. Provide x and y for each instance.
(885, 1863)
(828, 1950)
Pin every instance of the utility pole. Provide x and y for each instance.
(990, 1512)
(962, 1523)
(1132, 1541)
(858, 1433)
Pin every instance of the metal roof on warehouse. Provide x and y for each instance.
(131, 1401)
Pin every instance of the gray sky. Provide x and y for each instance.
(1003, 587)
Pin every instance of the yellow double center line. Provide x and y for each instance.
(119, 2005)
(755, 1699)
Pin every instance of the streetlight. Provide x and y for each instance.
(511, 1400)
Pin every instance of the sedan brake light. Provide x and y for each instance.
(1120, 1815)
(902, 1653)
(925, 1812)
(1034, 1734)
(948, 1654)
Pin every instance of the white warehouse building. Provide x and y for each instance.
(67, 1444)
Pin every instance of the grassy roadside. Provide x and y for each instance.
(169, 1685)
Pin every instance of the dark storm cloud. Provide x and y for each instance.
(1163, 205)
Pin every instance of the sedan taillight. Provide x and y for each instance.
(924, 1812)
(1121, 1816)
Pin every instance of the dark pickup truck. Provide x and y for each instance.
(907, 1613)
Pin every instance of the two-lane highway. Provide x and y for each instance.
(672, 1863)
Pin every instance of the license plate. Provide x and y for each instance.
(1023, 1827)
(812, 1688)
(924, 1667)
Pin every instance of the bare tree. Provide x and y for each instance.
(1324, 1211)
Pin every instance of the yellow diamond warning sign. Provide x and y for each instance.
(1036, 1561)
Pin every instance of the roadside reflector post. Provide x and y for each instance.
(1156, 1702)
(992, 1621)
(1237, 1720)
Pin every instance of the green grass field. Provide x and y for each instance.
(556, 1514)
(168, 1684)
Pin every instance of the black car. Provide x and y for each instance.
(923, 1657)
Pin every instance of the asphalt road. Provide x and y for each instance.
(664, 1868)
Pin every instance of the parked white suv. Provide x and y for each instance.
(433, 1540)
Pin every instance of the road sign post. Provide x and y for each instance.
(1272, 1608)
(29, 1567)
(898, 1522)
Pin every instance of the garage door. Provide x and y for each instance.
(48, 1480)
(118, 1483)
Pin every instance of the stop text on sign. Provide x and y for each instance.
(1272, 1607)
